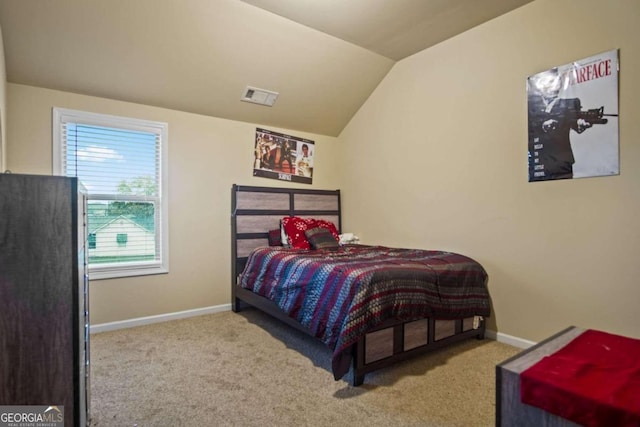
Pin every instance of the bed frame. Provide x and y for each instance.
(256, 210)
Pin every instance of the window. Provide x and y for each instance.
(121, 238)
(122, 164)
(91, 240)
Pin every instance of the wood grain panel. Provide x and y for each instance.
(39, 325)
(257, 223)
(444, 329)
(318, 202)
(246, 246)
(259, 200)
(416, 334)
(379, 344)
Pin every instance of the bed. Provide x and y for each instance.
(372, 305)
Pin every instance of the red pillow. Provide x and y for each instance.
(295, 227)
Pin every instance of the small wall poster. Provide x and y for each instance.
(573, 119)
(283, 157)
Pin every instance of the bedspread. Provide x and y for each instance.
(339, 294)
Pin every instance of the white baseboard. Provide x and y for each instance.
(508, 339)
(130, 323)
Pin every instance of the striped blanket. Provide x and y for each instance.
(339, 294)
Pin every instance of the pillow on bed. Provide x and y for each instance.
(321, 238)
(322, 223)
(283, 236)
(295, 227)
(275, 238)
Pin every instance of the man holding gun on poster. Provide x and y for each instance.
(551, 119)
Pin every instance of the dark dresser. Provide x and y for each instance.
(44, 312)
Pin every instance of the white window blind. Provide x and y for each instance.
(121, 162)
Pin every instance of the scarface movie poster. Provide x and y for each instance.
(573, 119)
(283, 157)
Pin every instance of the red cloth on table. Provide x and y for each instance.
(594, 381)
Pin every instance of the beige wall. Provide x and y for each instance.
(3, 105)
(437, 159)
(206, 156)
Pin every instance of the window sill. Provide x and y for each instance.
(130, 272)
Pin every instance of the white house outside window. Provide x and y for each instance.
(122, 163)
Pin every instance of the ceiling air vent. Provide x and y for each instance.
(259, 96)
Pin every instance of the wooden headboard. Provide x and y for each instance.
(256, 210)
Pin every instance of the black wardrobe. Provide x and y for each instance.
(44, 312)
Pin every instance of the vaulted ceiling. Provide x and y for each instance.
(323, 57)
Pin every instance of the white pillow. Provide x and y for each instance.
(346, 238)
(284, 237)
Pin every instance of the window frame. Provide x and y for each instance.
(64, 115)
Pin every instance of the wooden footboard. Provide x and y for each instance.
(392, 342)
(384, 345)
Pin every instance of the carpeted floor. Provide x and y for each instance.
(247, 369)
